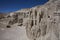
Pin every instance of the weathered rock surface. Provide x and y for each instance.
(41, 22)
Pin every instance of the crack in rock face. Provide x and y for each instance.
(36, 26)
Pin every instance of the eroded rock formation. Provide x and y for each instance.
(41, 22)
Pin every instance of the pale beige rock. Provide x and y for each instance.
(40, 22)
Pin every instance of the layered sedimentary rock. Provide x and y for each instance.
(41, 22)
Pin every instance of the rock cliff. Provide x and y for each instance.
(41, 22)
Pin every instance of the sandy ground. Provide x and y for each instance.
(15, 33)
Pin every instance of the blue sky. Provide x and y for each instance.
(13, 5)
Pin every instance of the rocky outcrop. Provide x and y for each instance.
(41, 22)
